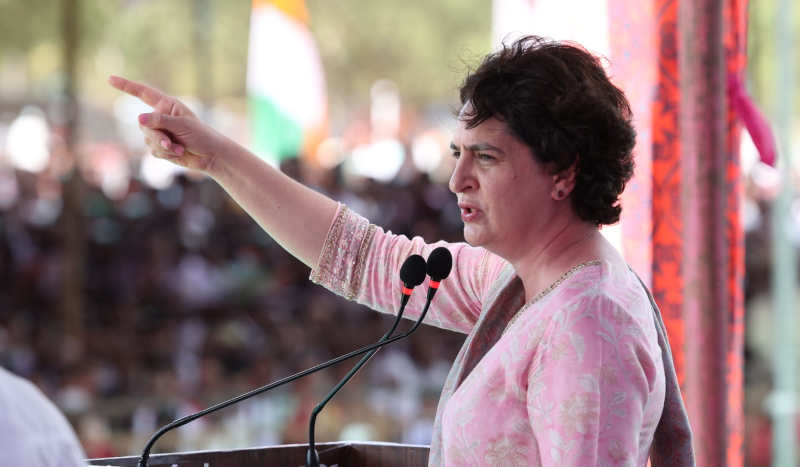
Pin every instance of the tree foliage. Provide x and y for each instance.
(419, 45)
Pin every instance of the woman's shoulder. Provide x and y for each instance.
(603, 278)
(605, 290)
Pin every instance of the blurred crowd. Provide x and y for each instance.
(188, 302)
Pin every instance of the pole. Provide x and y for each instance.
(784, 280)
(72, 223)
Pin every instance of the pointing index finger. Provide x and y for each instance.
(147, 94)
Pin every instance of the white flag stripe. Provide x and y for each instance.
(284, 66)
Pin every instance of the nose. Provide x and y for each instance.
(462, 179)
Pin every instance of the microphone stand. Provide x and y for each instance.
(183, 421)
(312, 457)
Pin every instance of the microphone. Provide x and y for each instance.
(412, 273)
(439, 264)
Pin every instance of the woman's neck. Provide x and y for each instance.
(559, 249)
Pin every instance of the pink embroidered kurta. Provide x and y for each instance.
(574, 378)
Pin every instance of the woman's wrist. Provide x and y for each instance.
(223, 158)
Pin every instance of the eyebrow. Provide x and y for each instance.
(479, 147)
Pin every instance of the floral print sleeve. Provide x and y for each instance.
(362, 262)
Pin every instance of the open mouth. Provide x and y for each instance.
(468, 214)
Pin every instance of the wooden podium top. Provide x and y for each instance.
(356, 454)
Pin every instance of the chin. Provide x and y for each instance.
(472, 238)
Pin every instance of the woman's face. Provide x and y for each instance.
(503, 192)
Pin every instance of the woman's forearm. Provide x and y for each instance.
(296, 216)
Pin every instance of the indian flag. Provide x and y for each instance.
(285, 81)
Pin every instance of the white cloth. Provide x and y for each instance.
(33, 433)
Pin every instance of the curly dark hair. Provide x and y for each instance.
(557, 99)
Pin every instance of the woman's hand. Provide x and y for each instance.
(173, 132)
(297, 217)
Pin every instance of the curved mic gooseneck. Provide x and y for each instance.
(412, 274)
(438, 267)
(413, 270)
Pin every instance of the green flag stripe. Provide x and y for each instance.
(274, 135)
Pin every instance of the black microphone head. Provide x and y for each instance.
(412, 272)
(440, 262)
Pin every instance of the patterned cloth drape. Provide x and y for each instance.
(674, 60)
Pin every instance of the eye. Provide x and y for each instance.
(456, 154)
(484, 157)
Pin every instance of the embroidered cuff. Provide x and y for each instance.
(341, 263)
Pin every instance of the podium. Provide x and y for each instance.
(343, 454)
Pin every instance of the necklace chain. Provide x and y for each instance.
(549, 289)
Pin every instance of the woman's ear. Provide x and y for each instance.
(564, 182)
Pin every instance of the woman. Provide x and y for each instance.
(565, 362)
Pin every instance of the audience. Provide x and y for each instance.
(188, 302)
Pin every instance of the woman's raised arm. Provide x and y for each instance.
(296, 216)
